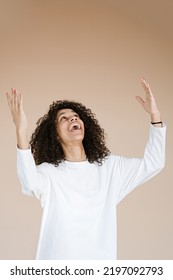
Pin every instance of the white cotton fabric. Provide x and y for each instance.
(79, 199)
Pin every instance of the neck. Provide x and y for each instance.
(74, 153)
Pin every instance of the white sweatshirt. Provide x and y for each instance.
(79, 199)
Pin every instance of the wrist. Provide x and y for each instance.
(22, 139)
(157, 124)
(156, 117)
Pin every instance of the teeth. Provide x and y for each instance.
(74, 127)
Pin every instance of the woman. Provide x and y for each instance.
(68, 167)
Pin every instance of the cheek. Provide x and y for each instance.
(82, 124)
(60, 132)
(83, 128)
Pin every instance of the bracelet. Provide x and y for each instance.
(157, 123)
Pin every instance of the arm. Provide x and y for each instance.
(135, 171)
(149, 104)
(15, 103)
(34, 180)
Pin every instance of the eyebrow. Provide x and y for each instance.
(63, 113)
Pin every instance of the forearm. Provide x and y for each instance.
(22, 139)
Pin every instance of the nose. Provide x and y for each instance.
(73, 118)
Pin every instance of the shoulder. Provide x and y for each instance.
(45, 167)
(111, 160)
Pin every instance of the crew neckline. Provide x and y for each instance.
(75, 164)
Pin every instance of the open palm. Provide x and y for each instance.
(15, 103)
(149, 104)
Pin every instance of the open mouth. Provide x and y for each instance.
(74, 127)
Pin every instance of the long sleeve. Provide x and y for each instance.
(34, 179)
(135, 171)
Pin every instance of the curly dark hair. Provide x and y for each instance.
(45, 146)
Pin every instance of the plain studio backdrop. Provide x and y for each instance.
(94, 52)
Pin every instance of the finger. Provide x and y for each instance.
(140, 100)
(21, 101)
(9, 100)
(144, 84)
(149, 91)
(12, 99)
(15, 99)
(146, 87)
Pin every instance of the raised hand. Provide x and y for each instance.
(15, 103)
(149, 104)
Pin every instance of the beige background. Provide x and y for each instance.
(92, 51)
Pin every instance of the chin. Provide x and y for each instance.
(77, 138)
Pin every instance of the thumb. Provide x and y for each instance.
(140, 100)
